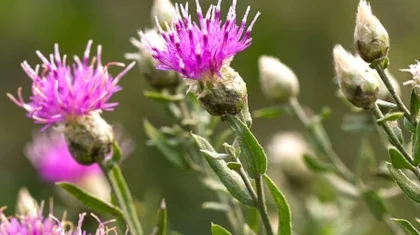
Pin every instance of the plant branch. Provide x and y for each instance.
(262, 207)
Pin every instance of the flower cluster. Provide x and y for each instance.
(61, 92)
(199, 51)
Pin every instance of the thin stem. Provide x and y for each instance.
(378, 67)
(377, 113)
(318, 134)
(262, 207)
(123, 195)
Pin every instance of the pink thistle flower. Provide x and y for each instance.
(198, 51)
(61, 92)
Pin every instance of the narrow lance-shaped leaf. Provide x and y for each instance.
(272, 112)
(254, 153)
(161, 220)
(219, 230)
(390, 117)
(407, 226)
(414, 106)
(411, 189)
(375, 203)
(161, 143)
(93, 202)
(231, 179)
(397, 159)
(416, 146)
(285, 215)
(317, 165)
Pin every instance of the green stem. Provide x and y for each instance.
(378, 67)
(262, 207)
(318, 134)
(377, 113)
(123, 195)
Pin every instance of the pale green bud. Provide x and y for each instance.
(89, 137)
(162, 11)
(221, 95)
(370, 37)
(278, 82)
(285, 152)
(357, 82)
(158, 79)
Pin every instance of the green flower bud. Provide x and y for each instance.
(89, 138)
(357, 82)
(221, 95)
(158, 79)
(278, 82)
(370, 37)
(162, 11)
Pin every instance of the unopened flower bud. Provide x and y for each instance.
(162, 11)
(370, 37)
(359, 85)
(26, 204)
(286, 151)
(89, 138)
(414, 69)
(278, 82)
(222, 95)
(158, 79)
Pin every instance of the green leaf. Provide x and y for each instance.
(285, 215)
(219, 230)
(357, 122)
(117, 154)
(217, 206)
(234, 165)
(375, 203)
(397, 131)
(163, 97)
(253, 219)
(397, 159)
(317, 165)
(231, 179)
(390, 117)
(215, 155)
(161, 220)
(365, 160)
(416, 146)
(409, 126)
(411, 189)
(93, 202)
(407, 226)
(254, 153)
(414, 106)
(161, 142)
(272, 112)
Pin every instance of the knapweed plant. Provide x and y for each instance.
(186, 60)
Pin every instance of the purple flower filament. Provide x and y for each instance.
(199, 51)
(62, 92)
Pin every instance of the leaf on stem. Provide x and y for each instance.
(161, 220)
(252, 150)
(407, 226)
(272, 112)
(416, 146)
(411, 189)
(317, 165)
(161, 142)
(93, 202)
(230, 178)
(219, 230)
(397, 159)
(285, 215)
(375, 203)
(390, 117)
(414, 106)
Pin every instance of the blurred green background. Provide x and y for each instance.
(301, 33)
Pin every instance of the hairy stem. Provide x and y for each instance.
(123, 195)
(317, 132)
(378, 67)
(262, 207)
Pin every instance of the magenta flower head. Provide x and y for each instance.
(74, 95)
(201, 52)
